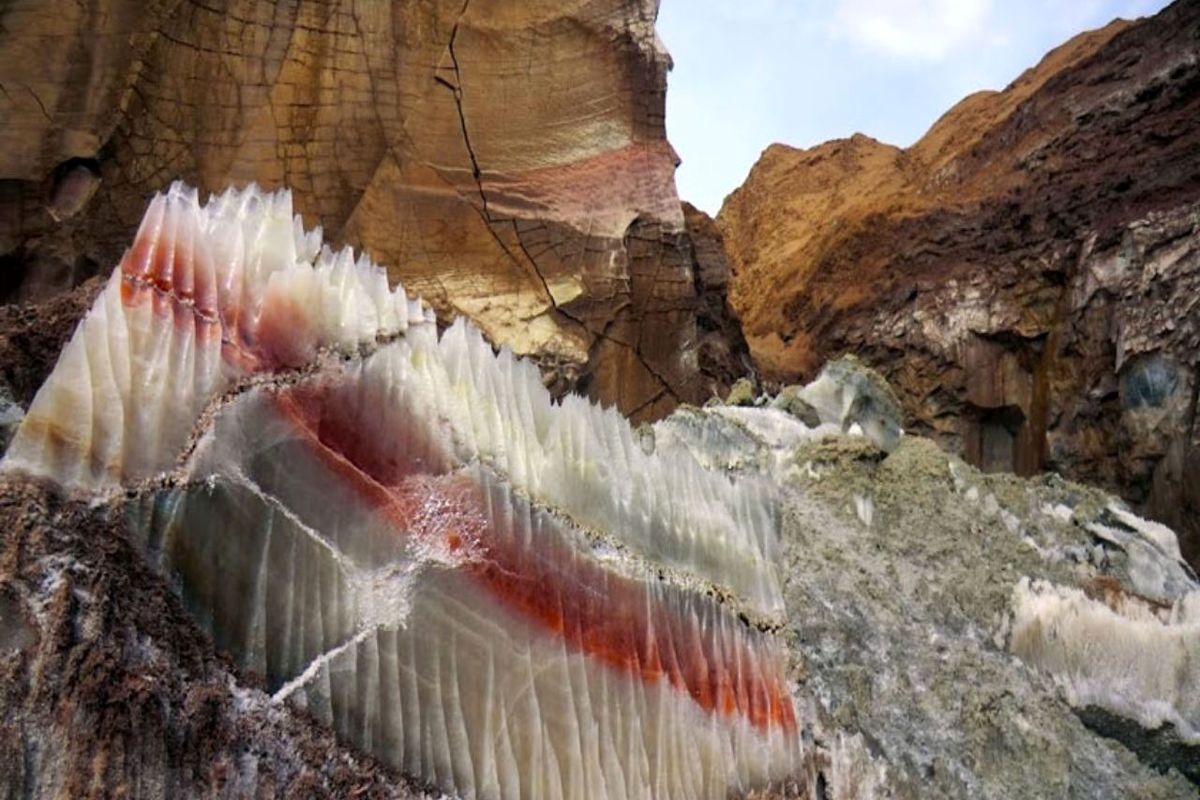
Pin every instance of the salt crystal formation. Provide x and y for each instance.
(404, 534)
(1134, 658)
(1135, 653)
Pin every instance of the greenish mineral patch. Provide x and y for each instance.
(741, 393)
(899, 570)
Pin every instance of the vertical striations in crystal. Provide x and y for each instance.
(403, 533)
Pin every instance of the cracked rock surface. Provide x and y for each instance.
(507, 159)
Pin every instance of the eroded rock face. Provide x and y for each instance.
(507, 159)
(1026, 275)
(724, 355)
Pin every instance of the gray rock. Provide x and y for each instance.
(899, 579)
(848, 393)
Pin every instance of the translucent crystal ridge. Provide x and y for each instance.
(401, 531)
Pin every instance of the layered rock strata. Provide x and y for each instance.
(507, 159)
(397, 534)
(1025, 275)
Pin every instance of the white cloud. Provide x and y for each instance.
(772, 11)
(926, 30)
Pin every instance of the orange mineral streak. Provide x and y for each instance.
(620, 622)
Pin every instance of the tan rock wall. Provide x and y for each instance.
(507, 159)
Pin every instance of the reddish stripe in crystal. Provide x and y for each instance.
(171, 268)
(160, 269)
(610, 618)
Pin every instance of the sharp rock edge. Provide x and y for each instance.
(403, 533)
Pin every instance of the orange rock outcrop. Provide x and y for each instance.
(1026, 275)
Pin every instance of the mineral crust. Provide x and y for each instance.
(402, 533)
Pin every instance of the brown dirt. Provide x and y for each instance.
(109, 690)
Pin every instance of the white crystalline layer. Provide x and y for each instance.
(1130, 662)
(270, 590)
(864, 509)
(122, 388)
(259, 252)
(309, 522)
(773, 426)
(714, 442)
(744, 431)
(576, 457)
(473, 698)
(586, 461)
(207, 295)
(1160, 535)
(255, 293)
(452, 686)
(1155, 566)
(848, 394)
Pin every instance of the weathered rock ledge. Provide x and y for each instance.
(1026, 275)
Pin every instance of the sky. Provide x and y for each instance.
(751, 72)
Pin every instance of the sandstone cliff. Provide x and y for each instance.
(1026, 274)
(507, 159)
